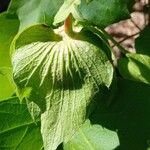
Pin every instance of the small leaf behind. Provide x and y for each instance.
(93, 137)
(65, 10)
(135, 67)
(32, 12)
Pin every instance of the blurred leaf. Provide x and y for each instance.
(17, 129)
(97, 12)
(135, 67)
(142, 43)
(31, 12)
(7, 87)
(8, 29)
(93, 137)
(129, 114)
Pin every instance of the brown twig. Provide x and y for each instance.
(68, 25)
(126, 38)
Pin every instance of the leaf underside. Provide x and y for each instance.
(62, 78)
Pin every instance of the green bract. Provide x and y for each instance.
(62, 75)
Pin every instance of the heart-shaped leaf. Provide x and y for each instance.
(61, 76)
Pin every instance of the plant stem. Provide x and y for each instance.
(68, 25)
(122, 49)
(102, 33)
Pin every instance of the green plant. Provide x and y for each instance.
(59, 88)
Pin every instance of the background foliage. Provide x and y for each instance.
(119, 115)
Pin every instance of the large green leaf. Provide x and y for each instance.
(7, 87)
(93, 137)
(8, 29)
(129, 114)
(97, 12)
(62, 77)
(31, 12)
(135, 67)
(17, 129)
(142, 44)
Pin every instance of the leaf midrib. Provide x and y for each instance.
(86, 140)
